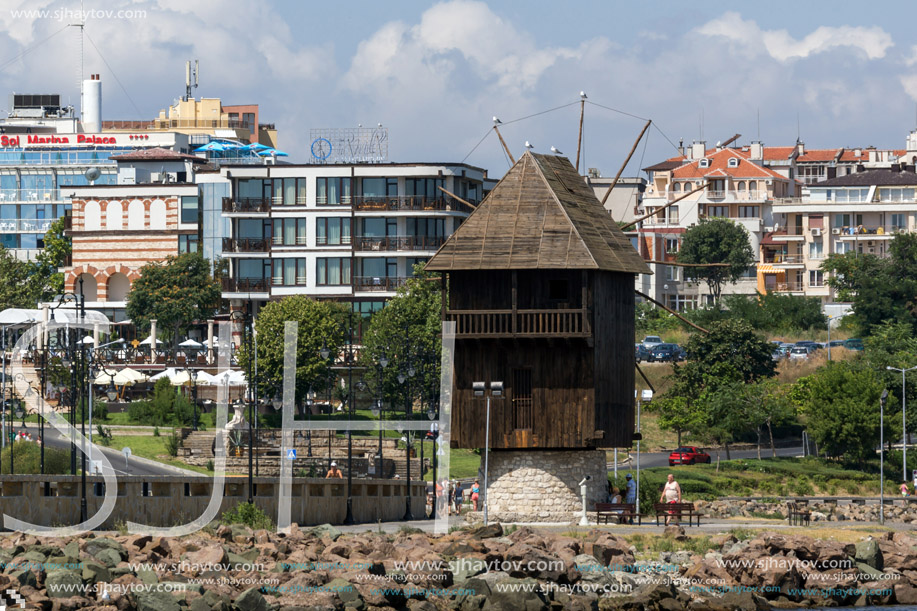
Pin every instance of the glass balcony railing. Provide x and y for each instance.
(25, 225)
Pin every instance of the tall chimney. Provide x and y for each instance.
(91, 113)
(698, 150)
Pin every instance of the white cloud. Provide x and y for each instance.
(780, 45)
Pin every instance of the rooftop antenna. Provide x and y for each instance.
(500, 136)
(579, 140)
(81, 25)
(188, 73)
(759, 124)
(797, 127)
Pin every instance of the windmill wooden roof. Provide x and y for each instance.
(541, 215)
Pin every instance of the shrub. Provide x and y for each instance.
(173, 442)
(248, 514)
(27, 459)
(210, 465)
(104, 435)
(167, 407)
(156, 431)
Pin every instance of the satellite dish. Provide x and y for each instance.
(92, 174)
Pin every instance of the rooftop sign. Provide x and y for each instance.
(349, 145)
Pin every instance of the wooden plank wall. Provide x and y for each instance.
(562, 393)
(613, 309)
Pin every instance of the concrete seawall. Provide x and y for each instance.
(54, 500)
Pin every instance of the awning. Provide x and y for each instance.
(767, 268)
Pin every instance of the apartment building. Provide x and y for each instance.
(351, 232)
(740, 188)
(859, 212)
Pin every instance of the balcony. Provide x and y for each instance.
(25, 225)
(784, 259)
(519, 323)
(245, 285)
(30, 195)
(395, 243)
(788, 287)
(246, 245)
(867, 232)
(380, 284)
(243, 205)
(371, 203)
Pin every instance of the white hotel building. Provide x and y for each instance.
(351, 232)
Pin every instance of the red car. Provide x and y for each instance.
(687, 455)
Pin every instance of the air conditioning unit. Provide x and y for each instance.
(816, 231)
(870, 243)
(836, 231)
(872, 251)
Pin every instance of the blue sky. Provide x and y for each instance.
(436, 72)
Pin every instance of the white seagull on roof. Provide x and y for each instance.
(582, 94)
(528, 145)
(496, 120)
(555, 151)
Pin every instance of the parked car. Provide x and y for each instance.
(837, 343)
(651, 341)
(667, 353)
(641, 353)
(800, 353)
(688, 455)
(853, 343)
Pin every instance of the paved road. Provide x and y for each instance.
(133, 465)
(661, 459)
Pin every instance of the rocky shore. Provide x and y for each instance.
(821, 511)
(234, 568)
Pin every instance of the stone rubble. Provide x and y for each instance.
(232, 568)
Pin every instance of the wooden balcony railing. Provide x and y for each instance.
(245, 285)
(246, 245)
(370, 203)
(257, 204)
(528, 323)
(390, 243)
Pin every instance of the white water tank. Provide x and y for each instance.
(92, 105)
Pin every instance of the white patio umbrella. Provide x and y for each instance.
(149, 341)
(133, 375)
(190, 343)
(88, 340)
(118, 379)
(168, 373)
(205, 379)
(181, 378)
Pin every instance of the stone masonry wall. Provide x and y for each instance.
(543, 486)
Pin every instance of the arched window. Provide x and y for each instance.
(740, 186)
(90, 287)
(676, 187)
(135, 215)
(92, 216)
(114, 216)
(118, 287)
(158, 214)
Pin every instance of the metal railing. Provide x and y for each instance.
(55, 158)
(245, 285)
(245, 245)
(784, 259)
(867, 231)
(389, 243)
(371, 203)
(29, 195)
(792, 287)
(254, 204)
(495, 323)
(378, 283)
(27, 225)
(323, 241)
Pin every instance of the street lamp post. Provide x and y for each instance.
(496, 390)
(882, 401)
(646, 395)
(408, 439)
(248, 322)
(310, 401)
(903, 418)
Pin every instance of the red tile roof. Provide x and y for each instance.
(719, 166)
(778, 153)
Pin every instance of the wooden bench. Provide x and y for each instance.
(616, 511)
(677, 511)
(798, 515)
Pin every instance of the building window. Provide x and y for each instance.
(523, 408)
(332, 271)
(671, 273)
(816, 277)
(188, 243)
(817, 250)
(189, 209)
(896, 195)
(290, 272)
(379, 187)
(332, 231)
(334, 191)
(748, 212)
(290, 232)
(424, 188)
(673, 215)
(898, 222)
(289, 192)
(431, 228)
(718, 211)
(671, 246)
(680, 303)
(850, 195)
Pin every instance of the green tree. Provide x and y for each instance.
(716, 240)
(407, 331)
(175, 293)
(842, 414)
(730, 354)
(167, 406)
(58, 247)
(880, 288)
(771, 312)
(676, 414)
(321, 323)
(17, 289)
(892, 344)
(27, 459)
